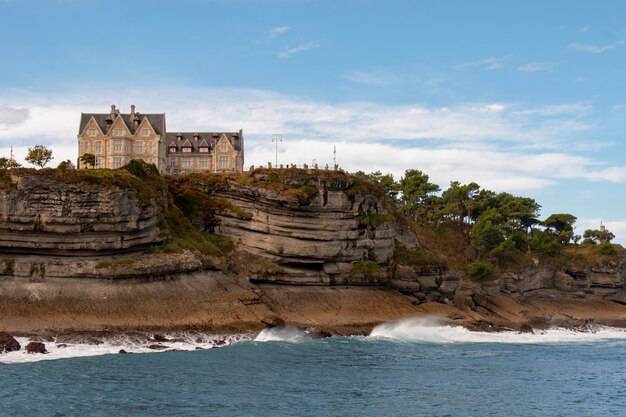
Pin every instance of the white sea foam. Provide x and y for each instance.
(61, 349)
(425, 330)
(281, 334)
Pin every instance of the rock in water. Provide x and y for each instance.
(8, 343)
(36, 347)
(160, 338)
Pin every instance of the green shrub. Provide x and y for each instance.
(479, 270)
(365, 267)
(607, 249)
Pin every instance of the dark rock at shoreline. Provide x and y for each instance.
(199, 348)
(8, 343)
(42, 339)
(62, 345)
(36, 347)
(157, 347)
(79, 339)
(525, 328)
(219, 342)
(317, 333)
(160, 338)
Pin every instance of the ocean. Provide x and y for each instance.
(409, 368)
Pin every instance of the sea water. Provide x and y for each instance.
(409, 368)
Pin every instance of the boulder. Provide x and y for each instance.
(157, 347)
(404, 286)
(36, 347)
(450, 282)
(535, 280)
(404, 273)
(429, 282)
(160, 338)
(8, 343)
(563, 281)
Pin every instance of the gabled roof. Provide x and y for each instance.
(204, 138)
(157, 121)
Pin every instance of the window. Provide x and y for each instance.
(91, 132)
(187, 149)
(203, 149)
(98, 147)
(138, 147)
(117, 145)
(203, 163)
(144, 132)
(83, 147)
(149, 143)
(223, 162)
(118, 132)
(127, 147)
(186, 163)
(98, 163)
(116, 162)
(223, 147)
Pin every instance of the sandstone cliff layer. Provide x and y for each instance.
(44, 213)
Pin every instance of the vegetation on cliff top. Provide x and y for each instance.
(466, 223)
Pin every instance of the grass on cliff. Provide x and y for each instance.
(137, 175)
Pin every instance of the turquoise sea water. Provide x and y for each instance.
(439, 372)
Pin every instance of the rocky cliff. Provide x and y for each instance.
(54, 212)
(320, 232)
(315, 227)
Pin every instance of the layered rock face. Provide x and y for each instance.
(313, 239)
(42, 214)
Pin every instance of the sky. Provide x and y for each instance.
(520, 96)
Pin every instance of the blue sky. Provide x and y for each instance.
(526, 97)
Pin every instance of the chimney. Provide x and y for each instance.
(132, 111)
(113, 111)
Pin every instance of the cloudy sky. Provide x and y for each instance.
(526, 97)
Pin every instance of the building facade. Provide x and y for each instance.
(115, 138)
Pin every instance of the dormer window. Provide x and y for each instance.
(91, 132)
(172, 148)
(203, 147)
(187, 147)
(118, 132)
(223, 146)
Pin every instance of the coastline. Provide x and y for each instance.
(215, 303)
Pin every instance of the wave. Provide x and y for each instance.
(427, 330)
(281, 334)
(64, 348)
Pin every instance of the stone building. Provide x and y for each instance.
(115, 138)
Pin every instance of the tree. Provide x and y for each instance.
(8, 163)
(39, 155)
(65, 165)
(416, 192)
(594, 236)
(386, 181)
(561, 225)
(89, 159)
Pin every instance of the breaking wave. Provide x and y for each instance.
(429, 331)
(281, 334)
(63, 348)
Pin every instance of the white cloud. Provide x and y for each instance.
(490, 63)
(277, 31)
(534, 67)
(584, 29)
(298, 49)
(594, 49)
(11, 116)
(499, 145)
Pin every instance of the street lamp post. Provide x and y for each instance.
(277, 137)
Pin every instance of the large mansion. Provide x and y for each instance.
(115, 138)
